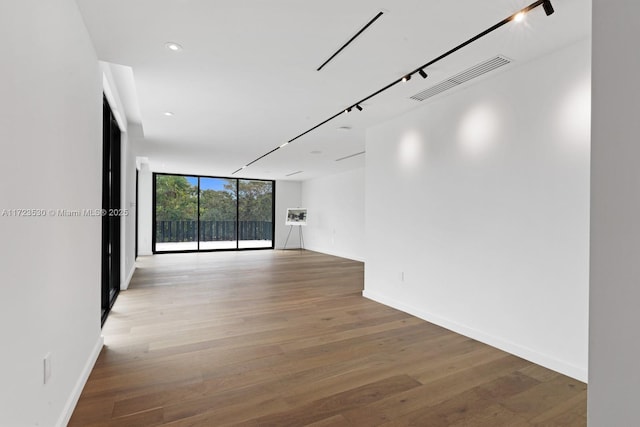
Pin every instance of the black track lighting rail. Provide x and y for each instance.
(374, 19)
(548, 9)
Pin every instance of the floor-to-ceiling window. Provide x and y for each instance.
(255, 213)
(218, 213)
(201, 213)
(176, 213)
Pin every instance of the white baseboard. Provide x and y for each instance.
(547, 361)
(337, 253)
(77, 390)
(125, 285)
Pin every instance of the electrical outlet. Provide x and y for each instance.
(47, 368)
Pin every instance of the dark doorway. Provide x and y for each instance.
(110, 210)
(137, 177)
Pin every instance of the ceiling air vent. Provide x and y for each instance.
(465, 76)
(349, 156)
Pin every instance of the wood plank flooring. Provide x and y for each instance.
(285, 338)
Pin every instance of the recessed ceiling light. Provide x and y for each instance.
(519, 17)
(344, 128)
(316, 152)
(175, 47)
(168, 113)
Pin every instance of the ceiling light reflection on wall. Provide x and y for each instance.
(573, 115)
(410, 149)
(168, 113)
(480, 128)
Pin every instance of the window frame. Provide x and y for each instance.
(237, 240)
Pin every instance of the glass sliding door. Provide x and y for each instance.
(255, 214)
(218, 213)
(204, 213)
(176, 213)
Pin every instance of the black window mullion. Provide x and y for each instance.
(198, 217)
(237, 214)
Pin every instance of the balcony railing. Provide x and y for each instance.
(211, 231)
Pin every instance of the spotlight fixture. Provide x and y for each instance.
(546, 4)
(519, 17)
(284, 145)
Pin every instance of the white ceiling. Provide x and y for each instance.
(246, 79)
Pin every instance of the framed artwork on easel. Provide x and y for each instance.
(296, 216)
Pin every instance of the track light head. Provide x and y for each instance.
(422, 74)
(348, 110)
(358, 107)
(406, 78)
(548, 7)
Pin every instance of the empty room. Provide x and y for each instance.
(365, 213)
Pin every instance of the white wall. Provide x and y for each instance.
(145, 213)
(614, 375)
(51, 136)
(288, 195)
(128, 222)
(335, 222)
(477, 210)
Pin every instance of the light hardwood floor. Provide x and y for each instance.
(285, 338)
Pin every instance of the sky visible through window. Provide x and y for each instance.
(216, 184)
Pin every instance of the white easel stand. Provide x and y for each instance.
(299, 234)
